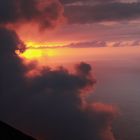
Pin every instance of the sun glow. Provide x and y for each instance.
(37, 50)
(31, 53)
(38, 53)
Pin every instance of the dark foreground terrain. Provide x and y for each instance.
(9, 133)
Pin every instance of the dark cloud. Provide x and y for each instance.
(44, 13)
(51, 105)
(101, 12)
(88, 44)
(87, 1)
(10, 42)
(12, 70)
(92, 44)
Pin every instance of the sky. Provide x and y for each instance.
(87, 24)
(69, 69)
(92, 23)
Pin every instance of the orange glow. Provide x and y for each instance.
(35, 51)
(62, 55)
(38, 53)
(31, 53)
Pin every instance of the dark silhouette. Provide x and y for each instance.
(9, 133)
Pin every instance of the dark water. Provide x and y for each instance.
(119, 84)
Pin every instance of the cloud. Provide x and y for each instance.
(88, 44)
(133, 43)
(85, 44)
(102, 12)
(51, 105)
(94, 44)
(44, 13)
(88, 1)
(10, 42)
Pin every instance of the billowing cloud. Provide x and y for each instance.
(44, 13)
(52, 104)
(10, 42)
(103, 11)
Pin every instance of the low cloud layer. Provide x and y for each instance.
(97, 44)
(93, 44)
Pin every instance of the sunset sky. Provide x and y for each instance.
(69, 69)
(87, 24)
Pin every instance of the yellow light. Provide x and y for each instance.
(32, 44)
(37, 50)
(51, 52)
(30, 54)
(38, 53)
